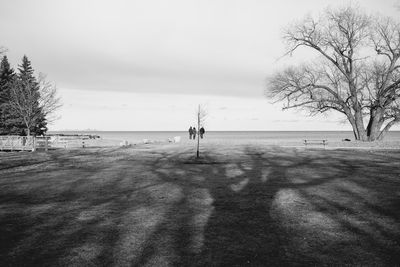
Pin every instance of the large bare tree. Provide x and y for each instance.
(32, 101)
(357, 72)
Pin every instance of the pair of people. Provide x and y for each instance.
(193, 132)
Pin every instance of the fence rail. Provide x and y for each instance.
(21, 143)
(32, 143)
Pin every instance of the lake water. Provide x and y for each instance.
(268, 136)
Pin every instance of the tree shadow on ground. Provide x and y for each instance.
(250, 205)
(68, 211)
(244, 230)
(281, 207)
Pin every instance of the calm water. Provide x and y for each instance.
(138, 136)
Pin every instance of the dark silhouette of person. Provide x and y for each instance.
(194, 133)
(201, 132)
(190, 132)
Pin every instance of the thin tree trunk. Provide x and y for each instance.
(198, 136)
(355, 134)
(28, 130)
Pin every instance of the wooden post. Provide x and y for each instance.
(46, 143)
(33, 143)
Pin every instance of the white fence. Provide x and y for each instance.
(31, 143)
(65, 141)
(18, 143)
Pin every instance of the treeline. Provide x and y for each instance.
(26, 102)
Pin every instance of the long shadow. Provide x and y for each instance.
(174, 234)
(242, 230)
(48, 238)
(245, 228)
(235, 197)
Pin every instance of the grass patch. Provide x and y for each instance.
(247, 205)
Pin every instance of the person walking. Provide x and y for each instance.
(194, 133)
(201, 132)
(190, 132)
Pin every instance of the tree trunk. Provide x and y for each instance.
(358, 130)
(375, 123)
(353, 125)
(28, 130)
(355, 134)
(198, 136)
(359, 123)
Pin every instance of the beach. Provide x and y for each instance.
(241, 203)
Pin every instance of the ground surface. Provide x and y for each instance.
(241, 204)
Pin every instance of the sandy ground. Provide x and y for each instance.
(241, 203)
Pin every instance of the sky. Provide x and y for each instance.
(147, 65)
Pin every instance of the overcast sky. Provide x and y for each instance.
(146, 65)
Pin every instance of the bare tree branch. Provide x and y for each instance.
(347, 79)
(32, 101)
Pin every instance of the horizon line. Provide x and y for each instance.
(207, 131)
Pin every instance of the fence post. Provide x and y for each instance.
(33, 143)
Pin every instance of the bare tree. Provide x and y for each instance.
(201, 116)
(33, 101)
(2, 50)
(357, 74)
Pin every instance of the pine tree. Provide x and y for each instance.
(26, 72)
(27, 79)
(6, 76)
(10, 122)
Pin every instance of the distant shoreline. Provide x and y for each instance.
(219, 141)
(222, 131)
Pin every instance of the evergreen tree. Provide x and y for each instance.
(10, 122)
(6, 76)
(26, 72)
(27, 79)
